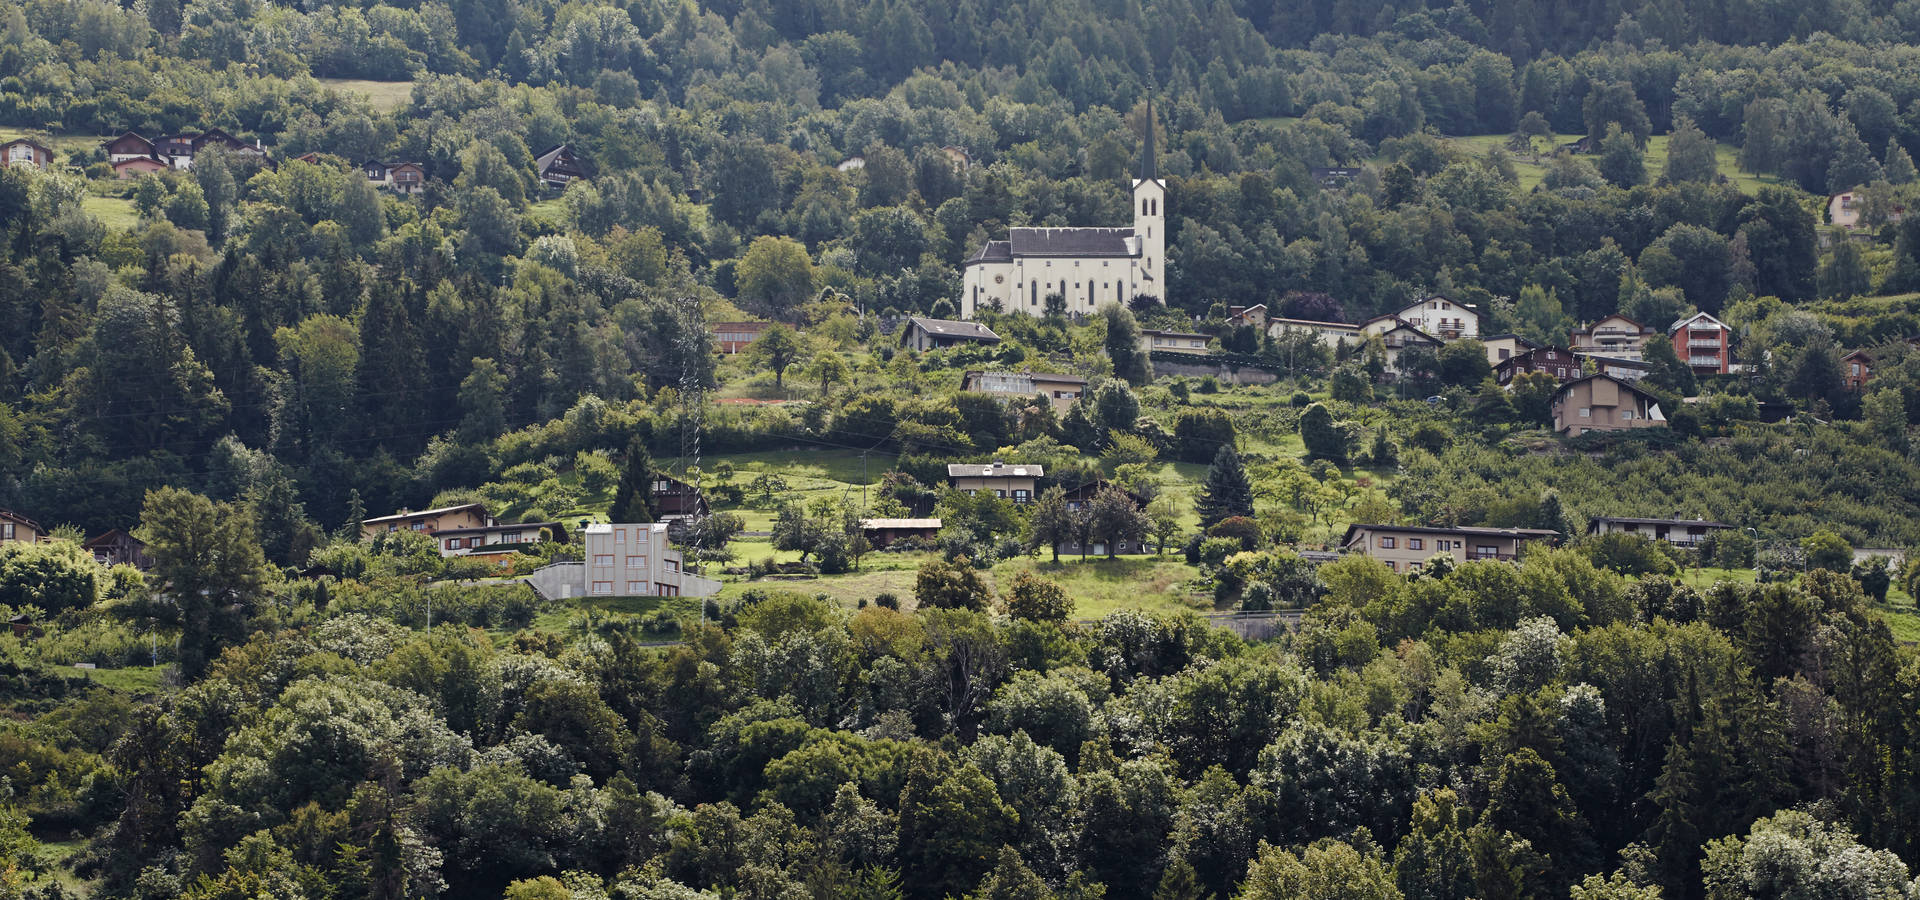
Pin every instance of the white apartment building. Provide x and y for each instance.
(624, 560)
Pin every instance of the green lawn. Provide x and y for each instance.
(383, 96)
(552, 211)
(1707, 577)
(130, 680)
(1533, 167)
(113, 212)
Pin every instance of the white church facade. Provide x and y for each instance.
(1089, 267)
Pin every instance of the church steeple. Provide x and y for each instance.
(1148, 170)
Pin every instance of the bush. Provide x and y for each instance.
(1301, 399)
(1239, 528)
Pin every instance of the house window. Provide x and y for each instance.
(636, 588)
(603, 588)
(1021, 496)
(454, 543)
(673, 565)
(419, 526)
(1416, 544)
(997, 492)
(603, 560)
(619, 535)
(640, 535)
(1391, 567)
(1386, 543)
(662, 589)
(636, 562)
(1586, 412)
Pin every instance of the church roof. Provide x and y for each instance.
(1071, 241)
(1149, 168)
(993, 251)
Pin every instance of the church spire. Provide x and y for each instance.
(1148, 170)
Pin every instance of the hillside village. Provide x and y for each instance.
(899, 450)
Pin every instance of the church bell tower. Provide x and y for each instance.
(1150, 221)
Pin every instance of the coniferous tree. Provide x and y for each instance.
(1227, 492)
(1898, 164)
(1123, 346)
(1324, 438)
(633, 496)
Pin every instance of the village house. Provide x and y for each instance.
(925, 334)
(1704, 342)
(1011, 482)
(429, 521)
(883, 533)
(1401, 337)
(1502, 347)
(1332, 334)
(1687, 533)
(674, 498)
(1442, 318)
(399, 177)
(1604, 403)
(16, 527)
(559, 167)
(733, 337)
(1556, 361)
(623, 560)
(1086, 266)
(497, 543)
(26, 152)
(1847, 211)
(173, 151)
(1405, 548)
(1331, 177)
(1615, 337)
(1244, 316)
(118, 548)
(1080, 497)
(1623, 369)
(1060, 390)
(1152, 339)
(1856, 369)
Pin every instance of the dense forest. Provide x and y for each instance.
(240, 361)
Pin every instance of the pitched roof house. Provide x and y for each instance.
(116, 548)
(1446, 319)
(1559, 362)
(1856, 369)
(883, 533)
(429, 521)
(1604, 403)
(16, 527)
(925, 334)
(1152, 339)
(1614, 336)
(1060, 390)
(1706, 343)
(559, 166)
(1406, 548)
(733, 337)
(1678, 532)
(1013, 482)
(26, 152)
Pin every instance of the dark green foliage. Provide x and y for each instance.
(1324, 438)
(633, 496)
(1227, 492)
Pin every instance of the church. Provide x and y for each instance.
(1087, 266)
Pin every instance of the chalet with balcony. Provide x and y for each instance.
(1448, 320)
(400, 177)
(429, 521)
(26, 153)
(1060, 390)
(559, 166)
(497, 543)
(1405, 548)
(1241, 316)
(1559, 362)
(1687, 533)
(1604, 403)
(118, 548)
(1615, 336)
(1012, 482)
(1704, 342)
(1400, 336)
(673, 497)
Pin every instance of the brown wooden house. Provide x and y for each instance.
(883, 533)
(116, 548)
(26, 152)
(559, 166)
(1559, 362)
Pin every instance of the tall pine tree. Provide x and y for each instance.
(1227, 492)
(633, 496)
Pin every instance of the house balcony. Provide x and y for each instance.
(1704, 362)
(1699, 343)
